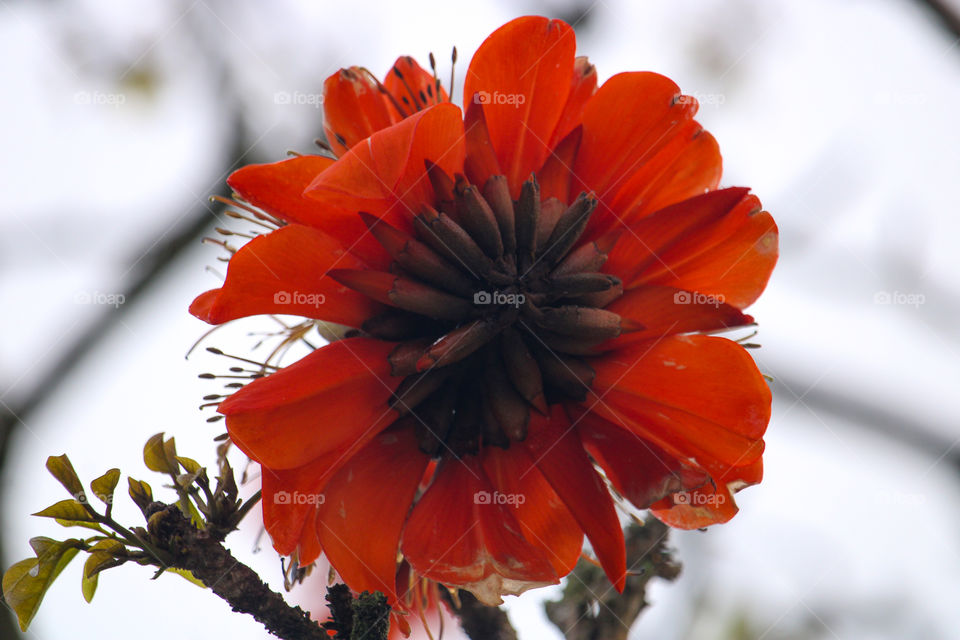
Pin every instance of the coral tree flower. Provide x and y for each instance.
(530, 283)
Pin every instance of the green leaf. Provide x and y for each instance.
(170, 453)
(140, 493)
(76, 523)
(187, 575)
(89, 586)
(196, 518)
(100, 561)
(104, 486)
(160, 455)
(20, 592)
(67, 510)
(186, 480)
(26, 582)
(61, 469)
(42, 545)
(110, 544)
(103, 556)
(191, 465)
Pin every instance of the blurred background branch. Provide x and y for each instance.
(591, 609)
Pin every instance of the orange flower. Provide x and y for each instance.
(530, 283)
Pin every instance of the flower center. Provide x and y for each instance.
(497, 307)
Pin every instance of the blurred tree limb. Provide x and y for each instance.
(591, 609)
(946, 13)
(479, 621)
(151, 260)
(206, 558)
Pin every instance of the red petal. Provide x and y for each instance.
(735, 270)
(364, 509)
(558, 453)
(522, 74)
(316, 405)
(583, 85)
(458, 538)
(388, 170)
(718, 244)
(555, 177)
(696, 508)
(285, 519)
(700, 398)
(663, 311)
(630, 117)
(481, 160)
(285, 272)
(641, 471)
(309, 550)
(688, 165)
(354, 108)
(277, 187)
(417, 83)
(544, 519)
(708, 504)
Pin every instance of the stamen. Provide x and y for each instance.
(214, 376)
(434, 90)
(391, 97)
(423, 621)
(397, 73)
(201, 339)
(325, 147)
(230, 213)
(262, 365)
(453, 66)
(228, 232)
(257, 213)
(433, 67)
(220, 243)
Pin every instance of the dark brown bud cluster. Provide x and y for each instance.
(495, 305)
